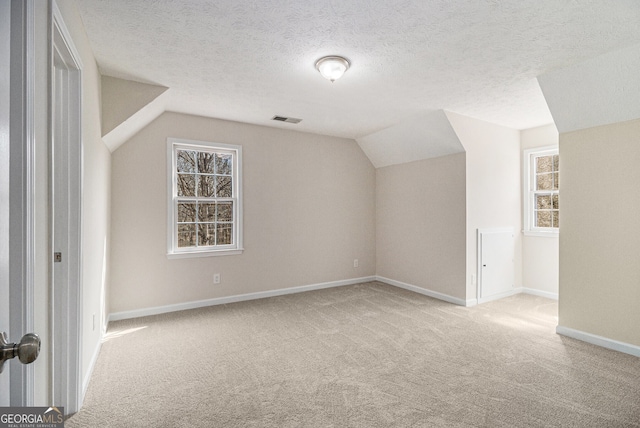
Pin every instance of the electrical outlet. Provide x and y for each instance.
(473, 279)
(356, 263)
(216, 278)
(94, 322)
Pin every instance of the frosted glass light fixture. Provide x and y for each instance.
(332, 67)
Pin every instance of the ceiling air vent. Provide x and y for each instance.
(286, 119)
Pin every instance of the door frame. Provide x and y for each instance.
(65, 135)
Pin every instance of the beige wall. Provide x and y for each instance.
(493, 186)
(420, 224)
(95, 193)
(309, 211)
(540, 254)
(121, 99)
(600, 240)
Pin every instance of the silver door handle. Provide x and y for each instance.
(27, 350)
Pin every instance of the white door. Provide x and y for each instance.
(5, 32)
(495, 263)
(16, 207)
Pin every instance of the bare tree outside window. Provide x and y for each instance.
(204, 204)
(546, 192)
(541, 191)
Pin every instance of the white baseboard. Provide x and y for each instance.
(565, 331)
(232, 299)
(534, 292)
(500, 295)
(426, 292)
(283, 291)
(92, 364)
(604, 342)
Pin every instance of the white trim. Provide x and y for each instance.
(527, 189)
(209, 253)
(499, 296)
(116, 316)
(232, 299)
(235, 249)
(427, 292)
(66, 294)
(92, 365)
(604, 342)
(540, 293)
(541, 234)
(66, 36)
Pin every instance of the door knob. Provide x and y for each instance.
(27, 350)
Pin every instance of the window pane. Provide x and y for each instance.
(224, 233)
(186, 212)
(206, 212)
(223, 187)
(186, 161)
(555, 202)
(556, 219)
(544, 182)
(206, 162)
(544, 164)
(543, 202)
(206, 235)
(223, 164)
(186, 235)
(186, 185)
(543, 218)
(204, 201)
(206, 186)
(225, 211)
(556, 163)
(556, 181)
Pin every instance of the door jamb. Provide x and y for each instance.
(66, 300)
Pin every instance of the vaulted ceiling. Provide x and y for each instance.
(250, 60)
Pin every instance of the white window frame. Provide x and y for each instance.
(173, 251)
(528, 194)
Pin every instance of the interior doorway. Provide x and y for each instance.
(65, 216)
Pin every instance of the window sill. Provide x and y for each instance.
(541, 234)
(193, 254)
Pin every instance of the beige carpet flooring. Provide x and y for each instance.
(368, 355)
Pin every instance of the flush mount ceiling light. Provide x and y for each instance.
(332, 67)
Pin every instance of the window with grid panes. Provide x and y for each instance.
(542, 204)
(205, 207)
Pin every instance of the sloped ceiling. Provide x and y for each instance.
(127, 107)
(250, 60)
(599, 91)
(425, 136)
(121, 99)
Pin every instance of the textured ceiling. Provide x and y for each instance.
(599, 91)
(250, 60)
